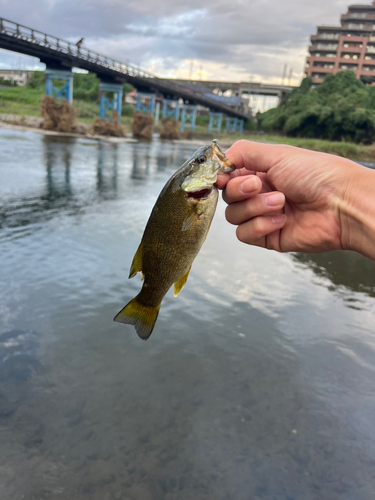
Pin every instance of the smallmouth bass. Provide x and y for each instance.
(174, 234)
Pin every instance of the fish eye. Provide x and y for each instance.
(201, 159)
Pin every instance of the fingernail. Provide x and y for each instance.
(278, 220)
(248, 185)
(274, 200)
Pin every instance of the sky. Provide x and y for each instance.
(233, 40)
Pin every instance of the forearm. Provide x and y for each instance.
(357, 212)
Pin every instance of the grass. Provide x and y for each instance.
(349, 150)
(25, 101)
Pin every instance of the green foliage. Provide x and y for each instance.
(202, 120)
(341, 108)
(250, 125)
(36, 81)
(127, 110)
(85, 87)
(7, 83)
(23, 95)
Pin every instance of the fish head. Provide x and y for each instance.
(203, 169)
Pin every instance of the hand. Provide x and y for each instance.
(290, 199)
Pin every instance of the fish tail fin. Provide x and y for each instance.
(142, 317)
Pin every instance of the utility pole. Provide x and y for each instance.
(191, 69)
(290, 76)
(250, 96)
(284, 74)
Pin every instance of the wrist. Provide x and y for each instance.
(357, 211)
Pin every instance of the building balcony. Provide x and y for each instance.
(349, 48)
(317, 79)
(364, 28)
(325, 36)
(323, 47)
(349, 57)
(357, 15)
(348, 67)
(323, 59)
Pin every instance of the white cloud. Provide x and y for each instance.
(234, 40)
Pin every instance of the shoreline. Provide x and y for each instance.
(355, 152)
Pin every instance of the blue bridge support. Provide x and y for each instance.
(145, 103)
(234, 125)
(214, 124)
(108, 104)
(188, 115)
(170, 108)
(66, 91)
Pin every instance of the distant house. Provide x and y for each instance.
(350, 46)
(16, 76)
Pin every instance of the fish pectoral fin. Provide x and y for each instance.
(141, 316)
(189, 220)
(180, 283)
(136, 266)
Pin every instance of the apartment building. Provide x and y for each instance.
(350, 46)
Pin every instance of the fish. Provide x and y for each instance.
(174, 234)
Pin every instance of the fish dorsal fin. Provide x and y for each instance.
(189, 220)
(136, 266)
(180, 283)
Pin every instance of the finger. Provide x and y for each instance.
(255, 231)
(222, 179)
(241, 188)
(257, 156)
(262, 204)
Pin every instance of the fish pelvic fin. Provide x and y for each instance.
(142, 317)
(136, 266)
(180, 283)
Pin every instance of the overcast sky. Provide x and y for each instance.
(230, 40)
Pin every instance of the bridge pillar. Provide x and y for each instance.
(215, 122)
(145, 103)
(170, 108)
(189, 115)
(234, 125)
(106, 104)
(66, 92)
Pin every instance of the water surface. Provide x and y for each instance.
(258, 381)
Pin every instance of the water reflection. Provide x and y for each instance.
(107, 170)
(57, 157)
(343, 269)
(141, 164)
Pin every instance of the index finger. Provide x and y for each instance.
(222, 179)
(256, 156)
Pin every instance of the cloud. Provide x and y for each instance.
(226, 40)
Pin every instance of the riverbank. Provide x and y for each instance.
(352, 151)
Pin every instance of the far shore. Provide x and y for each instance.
(357, 152)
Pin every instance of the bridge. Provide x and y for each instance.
(240, 88)
(61, 56)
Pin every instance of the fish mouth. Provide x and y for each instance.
(218, 155)
(198, 195)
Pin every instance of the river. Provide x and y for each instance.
(258, 381)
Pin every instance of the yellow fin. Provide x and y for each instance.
(142, 317)
(180, 283)
(136, 266)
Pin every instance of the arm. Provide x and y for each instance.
(299, 200)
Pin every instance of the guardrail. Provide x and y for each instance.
(63, 46)
(38, 38)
